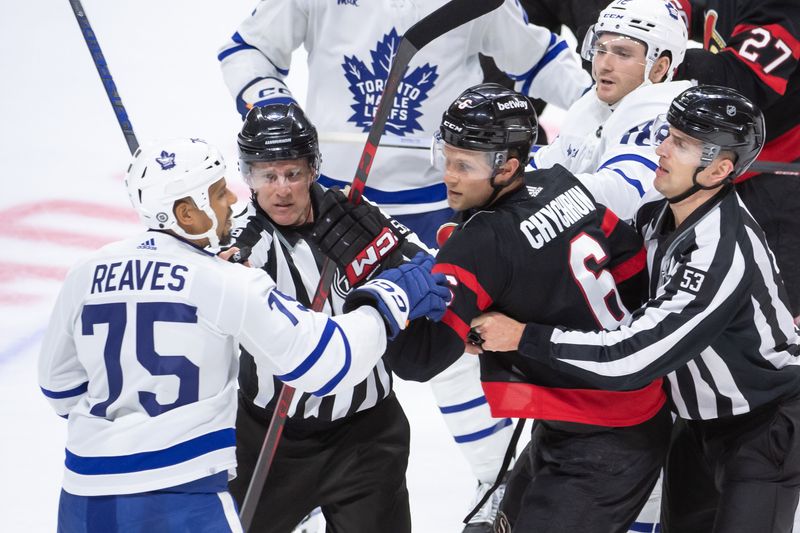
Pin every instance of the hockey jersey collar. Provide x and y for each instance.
(184, 241)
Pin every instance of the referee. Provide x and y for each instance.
(717, 326)
(346, 453)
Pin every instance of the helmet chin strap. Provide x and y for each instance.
(497, 189)
(211, 234)
(694, 188)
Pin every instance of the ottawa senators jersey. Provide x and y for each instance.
(752, 46)
(545, 252)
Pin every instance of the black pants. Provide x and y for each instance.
(585, 478)
(774, 201)
(734, 475)
(355, 472)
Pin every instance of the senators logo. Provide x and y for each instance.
(712, 41)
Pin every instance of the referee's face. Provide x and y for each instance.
(283, 190)
(678, 158)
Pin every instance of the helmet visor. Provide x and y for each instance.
(623, 49)
(260, 173)
(463, 163)
(685, 149)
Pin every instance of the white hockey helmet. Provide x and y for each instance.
(166, 171)
(656, 23)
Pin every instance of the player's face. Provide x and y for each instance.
(678, 158)
(466, 176)
(617, 67)
(222, 200)
(283, 190)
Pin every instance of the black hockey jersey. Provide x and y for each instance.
(544, 252)
(752, 46)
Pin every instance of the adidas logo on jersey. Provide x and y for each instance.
(149, 244)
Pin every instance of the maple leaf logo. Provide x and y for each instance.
(366, 85)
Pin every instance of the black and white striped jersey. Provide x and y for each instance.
(295, 263)
(717, 324)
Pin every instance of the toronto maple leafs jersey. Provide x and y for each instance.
(350, 47)
(141, 356)
(608, 147)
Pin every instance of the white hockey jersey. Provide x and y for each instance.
(608, 147)
(350, 46)
(141, 355)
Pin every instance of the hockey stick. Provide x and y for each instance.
(420, 143)
(105, 75)
(448, 17)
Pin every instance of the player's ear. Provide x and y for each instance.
(185, 213)
(660, 68)
(507, 171)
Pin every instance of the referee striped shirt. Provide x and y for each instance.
(717, 325)
(295, 263)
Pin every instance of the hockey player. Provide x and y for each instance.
(754, 47)
(594, 456)
(346, 452)
(604, 140)
(717, 327)
(141, 351)
(350, 47)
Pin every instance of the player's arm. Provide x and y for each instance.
(426, 348)
(541, 64)
(320, 354)
(625, 173)
(628, 264)
(696, 304)
(255, 60)
(62, 378)
(758, 59)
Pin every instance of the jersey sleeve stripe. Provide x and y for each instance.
(456, 324)
(630, 267)
(57, 395)
(610, 220)
(314, 356)
(329, 386)
(137, 462)
(468, 279)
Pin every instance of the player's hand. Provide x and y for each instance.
(356, 237)
(404, 293)
(235, 255)
(499, 332)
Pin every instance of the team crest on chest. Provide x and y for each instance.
(366, 85)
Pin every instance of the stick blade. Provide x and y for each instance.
(448, 17)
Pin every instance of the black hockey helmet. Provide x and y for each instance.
(278, 132)
(490, 117)
(722, 119)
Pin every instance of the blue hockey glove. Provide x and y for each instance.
(420, 293)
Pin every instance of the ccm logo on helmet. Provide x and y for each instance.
(512, 104)
(455, 127)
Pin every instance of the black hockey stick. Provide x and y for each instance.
(105, 75)
(448, 17)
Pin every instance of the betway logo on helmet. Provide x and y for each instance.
(513, 103)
